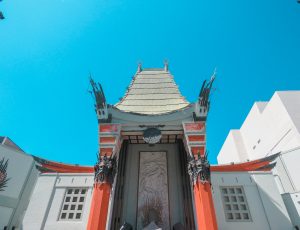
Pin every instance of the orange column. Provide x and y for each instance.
(99, 206)
(205, 210)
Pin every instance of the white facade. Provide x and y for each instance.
(269, 128)
(265, 205)
(41, 205)
(22, 176)
(48, 197)
(242, 200)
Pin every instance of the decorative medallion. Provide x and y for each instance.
(152, 135)
(3, 174)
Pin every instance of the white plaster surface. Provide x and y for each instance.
(47, 198)
(5, 214)
(19, 165)
(270, 127)
(292, 202)
(266, 206)
(22, 177)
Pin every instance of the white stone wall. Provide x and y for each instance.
(291, 160)
(292, 202)
(235, 147)
(266, 206)
(22, 178)
(45, 205)
(270, 127)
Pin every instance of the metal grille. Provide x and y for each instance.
(72, 207)
(235, 204)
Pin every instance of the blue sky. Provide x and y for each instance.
(49, 47)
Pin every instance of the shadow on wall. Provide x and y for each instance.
(292, 210)
(276, 213)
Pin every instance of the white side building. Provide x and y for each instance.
(248, 200)
(22, 176)
(269, 128)
(33, 200)
(60, 201)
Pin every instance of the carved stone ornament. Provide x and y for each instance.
(199, 169)
(105, 169)
(152, 135)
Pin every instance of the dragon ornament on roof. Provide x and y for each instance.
(203, 102)
(100, 101)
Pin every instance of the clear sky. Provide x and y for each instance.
(48, 48)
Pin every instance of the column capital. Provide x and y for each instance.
(199, 169)
(105, 169)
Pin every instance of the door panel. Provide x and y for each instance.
(153, 199)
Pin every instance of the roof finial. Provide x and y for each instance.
(166, 67)
(1, 16)
(215, 73)
(139, 69)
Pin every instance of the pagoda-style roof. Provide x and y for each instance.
(152, 92)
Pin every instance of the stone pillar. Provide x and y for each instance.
(110, 143)
(205, 210)
(99, 206)
(199, 170)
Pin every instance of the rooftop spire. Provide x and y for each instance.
(166, 65)
(139, 69)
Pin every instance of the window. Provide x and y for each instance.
(235, 204)
(72, 207)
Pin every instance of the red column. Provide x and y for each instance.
(99, 206)
(109, 143)
(205, 211)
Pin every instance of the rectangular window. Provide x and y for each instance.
(72, 207)
(235, 204)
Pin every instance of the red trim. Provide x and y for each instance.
(256, 165)
(197, 126)
(108, 128)
(106, 140)
(69, 170)
(63, 168)
(107, 151)
(99, 207)
(205, 210)
(198, 149)
(197, 138)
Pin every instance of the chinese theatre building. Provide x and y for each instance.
(152, 171)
